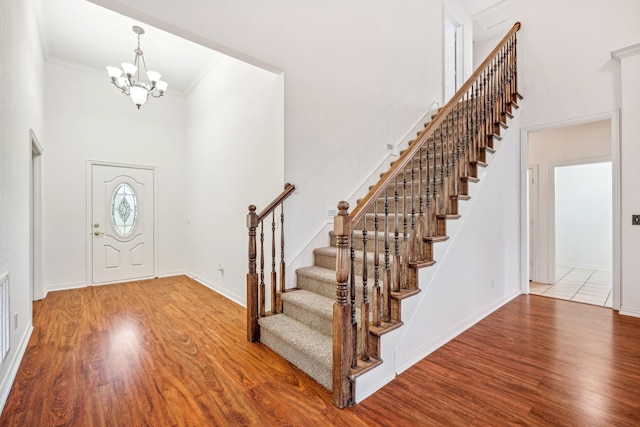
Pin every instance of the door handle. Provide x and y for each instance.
(97, 233)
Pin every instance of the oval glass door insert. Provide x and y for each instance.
(124, 210)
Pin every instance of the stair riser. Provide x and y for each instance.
(328, 289)
(313, 320)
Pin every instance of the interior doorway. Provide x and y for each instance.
(571, 204)
(453, 67)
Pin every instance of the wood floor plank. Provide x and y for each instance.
(171, 352)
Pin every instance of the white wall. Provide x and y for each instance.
(480, 268)
(358, 75)
(88, 119)
(564, 57)
(583, 214)
(234, 156)
(582, 143)
(21, 109)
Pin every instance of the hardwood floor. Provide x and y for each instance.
(170, 352)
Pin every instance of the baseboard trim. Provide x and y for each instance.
(429, 348)
(7, 381)
(225, 293)
(626, 311)
(64, 287)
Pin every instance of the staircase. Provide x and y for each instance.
(330, 324)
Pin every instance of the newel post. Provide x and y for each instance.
(342, 347)
(253, 331)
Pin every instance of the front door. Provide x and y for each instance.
(122, 228)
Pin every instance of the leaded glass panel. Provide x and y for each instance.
(124, 210)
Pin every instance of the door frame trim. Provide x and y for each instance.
(89, 220)
(37, 289)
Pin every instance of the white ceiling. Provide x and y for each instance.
(491, 18)
(80, 32)
(83, 33)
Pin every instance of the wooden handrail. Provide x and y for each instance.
(362, 207)
(288, 191)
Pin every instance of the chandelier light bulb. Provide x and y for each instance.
(139, 95)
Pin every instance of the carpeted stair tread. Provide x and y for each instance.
(304, 347)
(332, 251)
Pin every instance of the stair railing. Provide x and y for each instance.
(406, 212)
(256, 288)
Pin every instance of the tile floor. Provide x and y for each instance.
(577, 284)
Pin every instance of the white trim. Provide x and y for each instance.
(535, 218)
(37, 291)
(614, 118)
(219, 289)
(626, 52)
(12, 371)
(156, 214)
(630, 311)
(524, 213)
(64, 287)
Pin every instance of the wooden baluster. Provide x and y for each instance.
(449, 129)
(387, 262)
(475, 116)
(496, 89)
(510, 88)
(413, 248)
(429, 231)
(491, 119)
(515, 68)
(434, 193)
(342, 349)
(396, 240)
(364, 307)
(262, 288)
(503, 81)
(455, 151)
(464, 136)
(352, 298)
(484, 120)
(282, 262)
(253, 331)
(443, 192)
(497, 105)
(451, 167)
(404, 245)
(376, 297)
(421, 230)
(274, 279)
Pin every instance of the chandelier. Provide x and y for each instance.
(128, 79)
